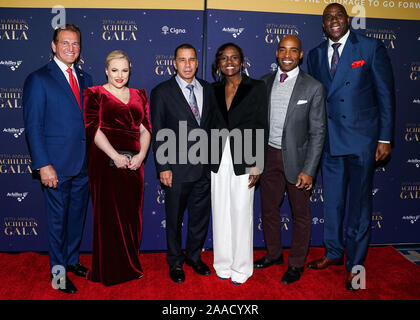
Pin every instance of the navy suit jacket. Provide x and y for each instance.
(360, 98)
(54, 124)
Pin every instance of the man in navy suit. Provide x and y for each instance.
(55, 132)
(183, 99)
(357, 75)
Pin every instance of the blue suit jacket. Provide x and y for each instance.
(54, 124)
(360, 99)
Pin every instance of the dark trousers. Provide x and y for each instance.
(350, 175)
(194, 196)
(66, 211)
(273, 187)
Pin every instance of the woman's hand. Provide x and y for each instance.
(121, 161)
(136, 162)
(254, 176)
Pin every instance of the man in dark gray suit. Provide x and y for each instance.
(183, 100)
(296, 137)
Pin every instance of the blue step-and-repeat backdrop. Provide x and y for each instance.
(148, 33)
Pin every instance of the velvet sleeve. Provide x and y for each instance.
(146, 118)
(91, 102)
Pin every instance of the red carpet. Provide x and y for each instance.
(388, 276)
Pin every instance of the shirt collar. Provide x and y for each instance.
(292, 73)
(183, 84)
(63, 67)
(343, 40)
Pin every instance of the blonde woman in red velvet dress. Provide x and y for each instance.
(118, 135)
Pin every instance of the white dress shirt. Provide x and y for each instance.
(198, 91)
(63, 67)
(343, 41)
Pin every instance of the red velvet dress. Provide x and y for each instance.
(117, 194)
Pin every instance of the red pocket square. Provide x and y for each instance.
(358, 63)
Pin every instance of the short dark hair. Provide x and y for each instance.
(335, 4)
(219, 52)
(69, 27)
(184, 46)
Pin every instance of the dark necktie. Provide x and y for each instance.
(334, 59)
(283, 77)
(192, 101)
(74, 86)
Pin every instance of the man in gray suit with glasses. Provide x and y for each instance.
(296, 138)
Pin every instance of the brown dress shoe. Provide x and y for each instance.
(349, 282)
(324, 262)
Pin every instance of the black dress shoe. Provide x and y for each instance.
(264, 262)
(65, 286)
(200, 267)
(78, 270)
(177, 274)
(292, 274)
(349, 282)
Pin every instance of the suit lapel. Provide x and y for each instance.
(205, 110)
(242, 91)
(344, 65)
(297, 91)
(58, 75)
(81, 80)
(325, 66)
(179, 100)
(219, 91)
(270, 82)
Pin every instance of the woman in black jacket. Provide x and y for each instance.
(237, 162)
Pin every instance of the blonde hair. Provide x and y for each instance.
(116, 54)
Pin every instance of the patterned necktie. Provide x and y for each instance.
(283, 77)
(334, 59)
(74, 86)
(193, 103)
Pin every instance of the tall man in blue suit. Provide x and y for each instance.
(357, 75)
(55, 132)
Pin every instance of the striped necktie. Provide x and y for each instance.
(334, 59)
(192, 101)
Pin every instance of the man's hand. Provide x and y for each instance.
(382, 151)
(254, 176)
(304, 181)
(48, 176)
(166, 178)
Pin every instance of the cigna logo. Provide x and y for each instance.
(171, 30)
(12, 65)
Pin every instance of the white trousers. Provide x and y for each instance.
(232, 218)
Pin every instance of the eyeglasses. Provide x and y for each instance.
(67, 43)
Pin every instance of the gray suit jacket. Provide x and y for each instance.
(304, 126)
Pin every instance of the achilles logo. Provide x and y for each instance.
(234, 31)
(13, 65)
(15, 131)
(412, 219)
(167, 30)
(17, 195)
(416, 162)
